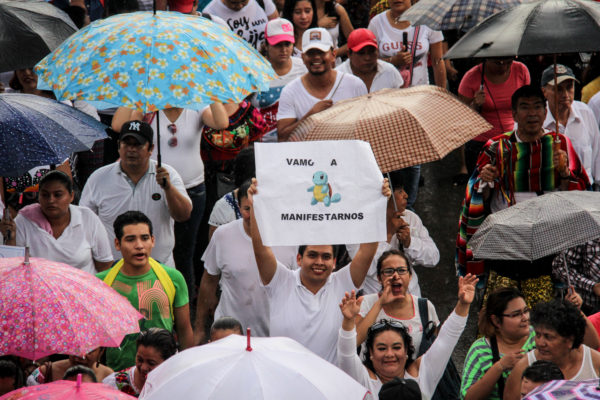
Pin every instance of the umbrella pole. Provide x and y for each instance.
(158, 156)
(568, 275)
(392, 189)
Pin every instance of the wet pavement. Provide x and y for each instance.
(438, 206)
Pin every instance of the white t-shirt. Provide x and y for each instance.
(83, 240)
(109, 193)
(311, 319)
(414, 324)
(224, 210)
(249, 22)
(185, 157)
(387, 76)
(268, 102)
(295, 101)
(389, 40)
(243, 296)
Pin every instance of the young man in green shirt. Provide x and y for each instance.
(158, 292)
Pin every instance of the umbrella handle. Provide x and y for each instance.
(392, 189)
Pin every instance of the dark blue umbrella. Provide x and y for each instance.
(37, 131)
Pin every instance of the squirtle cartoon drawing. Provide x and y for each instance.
(322, 190)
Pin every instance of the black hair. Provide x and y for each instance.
(161, 339)
(80, 369)
(372, 334)
(57, 176)
(562, 317)
(130, 218)
(389, 253)
(243, 191)
(288, 12)
(14, 82)
(542, 371)
(227, 323)
(335, 249)
(10, 369)
(243, 166)
(396, 180)
(496, 305)
(122, 6)
(526, 91)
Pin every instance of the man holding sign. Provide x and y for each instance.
(304, 303)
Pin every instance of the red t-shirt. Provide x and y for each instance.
(496, 110)
(595, 320)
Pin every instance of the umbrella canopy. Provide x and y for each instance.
(274, 368)
(540, 27)
(150, 62)
(539, 227)
(48, 307)
(399, 124)
(71, 390)
(566, 390)
(454, 14)
(29, 30)
(36, 131)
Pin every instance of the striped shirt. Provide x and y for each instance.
(479, 360)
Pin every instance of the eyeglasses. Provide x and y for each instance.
(391, 271)
(518, 313)
(383, 323)
(172, 142)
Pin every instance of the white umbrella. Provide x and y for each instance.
(273, 368)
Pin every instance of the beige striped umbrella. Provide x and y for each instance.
(405, 127)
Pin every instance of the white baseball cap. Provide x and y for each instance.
(316, 38)
(279, 30)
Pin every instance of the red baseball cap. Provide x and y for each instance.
(360, 38)
(182, 6)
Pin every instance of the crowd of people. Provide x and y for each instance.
(180, 241)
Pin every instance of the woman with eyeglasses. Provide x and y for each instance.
(504, 321)
(561, 334)
(180, 136)
(389, 345)
(394, 302)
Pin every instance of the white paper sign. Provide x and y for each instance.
(11, 251)
(326, 192)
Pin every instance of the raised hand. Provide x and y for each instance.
(466, 288)
(350, 305)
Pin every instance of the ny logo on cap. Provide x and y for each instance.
(561, 69)
(315, 36)
(134, 126)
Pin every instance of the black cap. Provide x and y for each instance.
(140, 130)
(563, 73)
(405, 389)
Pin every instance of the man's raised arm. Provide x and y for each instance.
(265, 259)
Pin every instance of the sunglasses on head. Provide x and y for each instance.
(384, 323)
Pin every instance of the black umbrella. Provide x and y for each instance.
(29, 30)
(540, 27)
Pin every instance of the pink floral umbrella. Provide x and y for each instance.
(61, 390)
(48, 307)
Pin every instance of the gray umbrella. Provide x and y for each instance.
(539, 227)
(29, 30)
(540, 27)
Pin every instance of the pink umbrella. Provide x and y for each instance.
(48, 307)
(71, 390)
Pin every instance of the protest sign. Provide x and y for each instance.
(325, 192)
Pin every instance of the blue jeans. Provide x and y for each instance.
(410, 176)
(186, 234)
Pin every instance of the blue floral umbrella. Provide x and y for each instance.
(38, 131)
(150, 62)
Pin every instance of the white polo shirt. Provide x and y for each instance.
(230, 254)
(109, 193)
(387, 76)
(583, 131)
(311, 319)
(83, 240)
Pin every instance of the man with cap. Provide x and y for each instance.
(319, 88)
(135, 182)
(363, 62)
(575, 119)
(279, 46)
